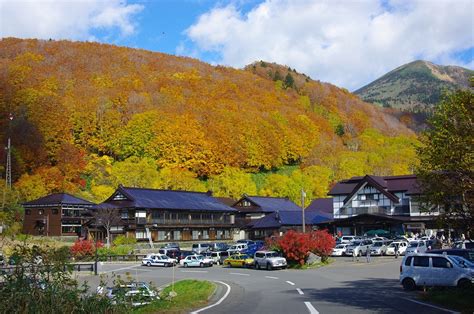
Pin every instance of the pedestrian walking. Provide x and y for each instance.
(367, 255)
(355, 256)
(396, 251)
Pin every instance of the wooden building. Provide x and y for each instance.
(58, 214)
(166, 215)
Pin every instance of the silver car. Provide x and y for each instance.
(378, 248)
(434, 270)
(416, 247)
(360, 247)
(269, 260)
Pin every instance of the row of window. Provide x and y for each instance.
(424, 261)
(177, 235)
(55, 211)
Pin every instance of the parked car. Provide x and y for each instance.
(269, 260)
(183, 254)
(200, 248)
(348, 239)
(170, 252)
(170, 245)
(462, 261)
(248, 242)
(378, 248)
(416, 247)
(340, 249)
(218, 246)
(136, 293)
(359, 246)
(400, 245)
(467, 244)
(158, 260)
(467, 254)
(218, 257)
(433, 270)
(196, 261)
(237, 248)
(239, 260)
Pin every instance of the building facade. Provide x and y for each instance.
(58, 214)
(368, 203)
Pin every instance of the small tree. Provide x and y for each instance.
(107, 217)
(323, 243)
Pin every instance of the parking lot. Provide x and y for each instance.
(343, 286)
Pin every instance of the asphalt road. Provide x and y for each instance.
(342, 287)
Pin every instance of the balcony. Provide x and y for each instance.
(352, 211)
(184, 222)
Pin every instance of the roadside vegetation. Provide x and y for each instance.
(461, 300)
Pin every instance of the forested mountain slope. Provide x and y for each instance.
(87, 116)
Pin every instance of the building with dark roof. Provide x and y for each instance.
(322, 207)
(59, 214)
(371, 202)
(166, 215)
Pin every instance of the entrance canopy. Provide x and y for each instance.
(377, 232)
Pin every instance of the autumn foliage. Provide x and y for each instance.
(296, 246)
(84, 248)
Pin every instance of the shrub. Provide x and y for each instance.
(323, 243)
(84, 248)
(123, 240)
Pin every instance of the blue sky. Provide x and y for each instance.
(345, 42)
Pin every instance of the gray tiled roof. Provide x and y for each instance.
(271, 204)
(58, 199)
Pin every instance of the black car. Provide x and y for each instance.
(170, 252)
(219, 246)
(183, 254)
(467, 254)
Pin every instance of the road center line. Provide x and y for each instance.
(120, 269)
(311, 308)
(194, 271)
(430, 305)
(270, 277)
(291, 283)
(299, 291)
(239, 274)
(218, 302)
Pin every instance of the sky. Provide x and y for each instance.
(345, 42)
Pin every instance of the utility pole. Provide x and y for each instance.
(8, 168)
(303, 196)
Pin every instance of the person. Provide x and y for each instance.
(355, 257)
(367, 255)
(396, 250)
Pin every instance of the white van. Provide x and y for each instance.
(237, 248)
(416, 247)
(434, 270)
(401, 245)
(347, 239)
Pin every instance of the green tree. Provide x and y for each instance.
(289, 81)
(446, 158)
(232, 182)
(135, 172)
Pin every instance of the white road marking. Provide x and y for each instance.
(194, 271)
(120, 269)
(291, 283)
(239, 274)
(430, 305)
(311, 308)
(299, 291)
(270, 277)
(218, 302)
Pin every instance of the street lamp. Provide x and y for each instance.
(303, 196)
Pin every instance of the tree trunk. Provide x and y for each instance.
(108, 237)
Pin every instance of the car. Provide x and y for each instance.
(359, 246)
(466, 244)
(434, 270)
(237, 248)
(347, 239)
(200, 248)
(183, 254)
(218, 257)
(158, 260)
(248, 242)
(239, 260)
(378, 248)
(170, 252)
(218, 246)
(269, 260)
(135, 293)
(467, 254)
(170, 245)
(196, 261)
(340, 249)
(396, 246)
(416, 247)
(462, 261)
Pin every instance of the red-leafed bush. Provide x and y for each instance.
(296, 246)
(84, 248)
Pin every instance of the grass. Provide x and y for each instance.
(292, 265)
(453, 298)
(191, 294)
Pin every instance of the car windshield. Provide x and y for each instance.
(414, 244)
(273, 254)
(461, 260)
(393, 244)
(378, 244)
(340, 246)
(199, 257)
(355, 243)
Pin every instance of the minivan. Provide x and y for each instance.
(218, 257)
(237, 248)
(434, 270)
(201, 247)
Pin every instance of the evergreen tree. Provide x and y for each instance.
(289, 81)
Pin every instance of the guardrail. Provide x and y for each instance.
(74, 266)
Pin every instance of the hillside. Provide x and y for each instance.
(415, 86)
(88, 116)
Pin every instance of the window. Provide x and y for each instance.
(421, 261)
(176, 235)
(140, 234)
(155, 214)
(408, 260)
(195, 235)
(246, 203)
(40, 212)
(161, 235)
(205, 234)
(27, 211)
(219, 234)
(119, 197)
(362, 197)
(376, 196)
(124, 215)
(440, 262)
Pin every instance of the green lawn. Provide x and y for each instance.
(191, 294)
(456, 299)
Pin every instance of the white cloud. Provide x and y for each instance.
(66, 19)
(346, 42)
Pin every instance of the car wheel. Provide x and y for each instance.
(269, 267)
(148, 264)
(464, 283)
(409, 284)
(257, 266)
(185, 265)
(201, 265)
